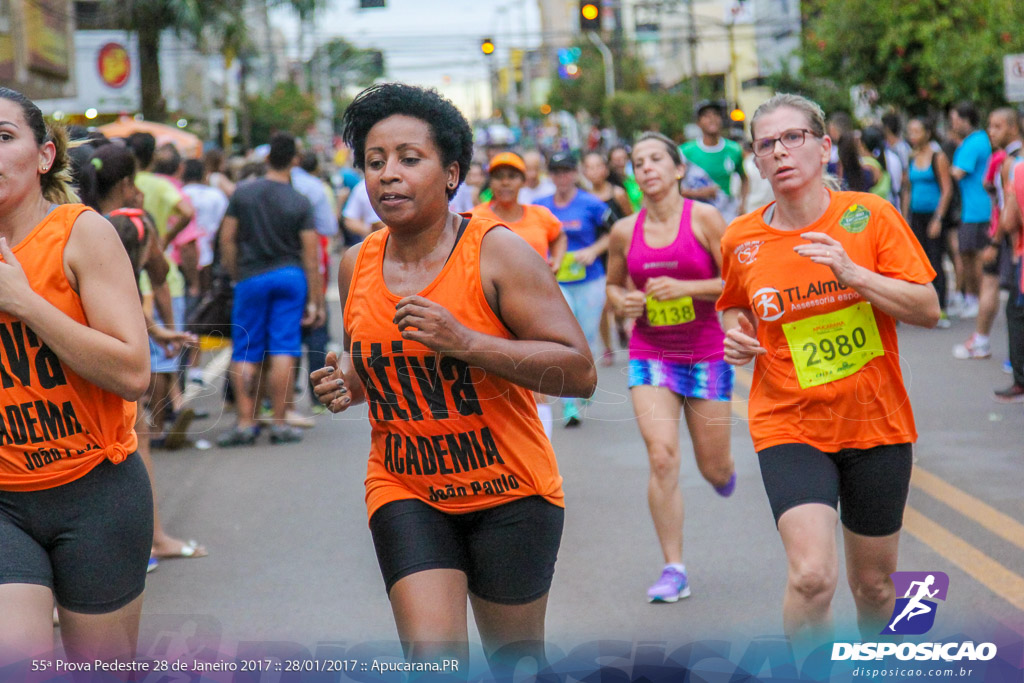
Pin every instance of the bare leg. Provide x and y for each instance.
(988, 303)
(809, 537)
(158, 400)
(953, 242)
(26, 622)
(101, 636)
(972, 272)
(869, 562)
(709, 426)
(280, 385)
(430, 614)
(657, 412)
(605, 327)
(245, 378)
(510, 634)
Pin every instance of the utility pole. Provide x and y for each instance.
(609, 63)
(694, 79)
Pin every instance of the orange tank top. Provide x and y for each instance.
(444, 432)
(55, 427)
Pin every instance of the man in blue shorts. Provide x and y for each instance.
(969, 165)
(269, 246)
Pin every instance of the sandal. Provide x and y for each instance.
(238, 436)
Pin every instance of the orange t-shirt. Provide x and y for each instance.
(55, 427)
(538, 226)
(444, 432)
(762, 273)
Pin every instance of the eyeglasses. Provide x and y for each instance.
(790, 139)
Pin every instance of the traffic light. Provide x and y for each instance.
(590, 15)
(487, 46)
(738, 115)
(369, 4)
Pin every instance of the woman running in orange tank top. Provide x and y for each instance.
(443, 341)
(813, 286)
(75, 504)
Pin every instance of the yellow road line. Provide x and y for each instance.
(1000, 524)
(994, 576)
(975, 563)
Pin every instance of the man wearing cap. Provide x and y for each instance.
(584, 220)
(720, 157)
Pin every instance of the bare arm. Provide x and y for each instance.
(588, 255)
(1010, 221)
(556, 250)
(184, 211)
(627, 304)
(316, 313)
(228, 245)
(162, 303)
(547, 353)
(622, 199)
(909, 302)
(156, 263)
(111, 351)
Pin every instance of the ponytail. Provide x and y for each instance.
(57, 182)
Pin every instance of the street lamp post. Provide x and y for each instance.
(609, 63)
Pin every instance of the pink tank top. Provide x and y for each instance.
(697, 341)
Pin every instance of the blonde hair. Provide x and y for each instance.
(58, 181)
(812, 112)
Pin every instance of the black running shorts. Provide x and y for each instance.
(868, 486)
(507, 552)
(88, 540)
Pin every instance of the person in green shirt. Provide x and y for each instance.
(618, 164)
(718, 156)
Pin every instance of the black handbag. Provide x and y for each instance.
(211, 317)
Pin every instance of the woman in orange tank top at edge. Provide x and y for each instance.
(443, 340)
(76, 512)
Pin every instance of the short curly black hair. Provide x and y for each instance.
(450, 130)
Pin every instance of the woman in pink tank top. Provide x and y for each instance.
(664, 269)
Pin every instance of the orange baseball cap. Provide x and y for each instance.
(507, 159)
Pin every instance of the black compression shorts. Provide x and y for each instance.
(88, 540)
(507, 552)
(868, 486)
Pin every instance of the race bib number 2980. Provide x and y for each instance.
(831, 346)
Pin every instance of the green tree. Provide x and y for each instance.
(632, 113)
(305, 11)
(347, 64)
(286, 108)
(919, 55)
(587, 92)
(199, 19)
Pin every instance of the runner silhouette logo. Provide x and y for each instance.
(914, 613)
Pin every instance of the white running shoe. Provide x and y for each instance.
(972, 349)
